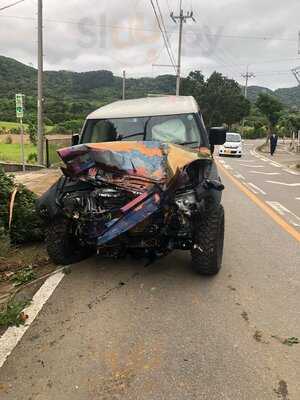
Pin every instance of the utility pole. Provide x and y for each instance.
(124, 85)
(40, 85)
(248, 75)
(296, 71)
(182, 20)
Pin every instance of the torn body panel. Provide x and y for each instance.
(133, 194)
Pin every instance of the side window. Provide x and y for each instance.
(102, 131)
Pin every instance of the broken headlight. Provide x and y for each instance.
(186, 201)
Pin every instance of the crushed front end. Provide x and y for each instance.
(141, 197)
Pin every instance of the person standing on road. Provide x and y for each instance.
(273, 143)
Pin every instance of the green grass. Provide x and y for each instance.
(12, 152)
(11, 125)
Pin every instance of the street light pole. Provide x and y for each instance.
(40, 127)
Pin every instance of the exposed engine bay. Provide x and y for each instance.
(120, 196)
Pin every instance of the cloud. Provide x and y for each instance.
(89, 35)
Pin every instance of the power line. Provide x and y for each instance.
(122, 28)
(11, 5)
(164, 26)
(163, 34)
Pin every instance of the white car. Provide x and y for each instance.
(233, 145)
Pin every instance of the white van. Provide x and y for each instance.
(233, 145)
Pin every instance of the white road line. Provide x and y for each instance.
(258, 190)
(227, 167)
(297, 198)
(264, 173)
(253, 166)
(284, 183)
(251, 188)
(10, 339)
(275, 164)
(292, 172)
(283, 211)
(240, 176)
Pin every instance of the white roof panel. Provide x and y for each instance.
(148, 106)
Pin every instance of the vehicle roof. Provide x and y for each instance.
(233, 133)
(148, 106)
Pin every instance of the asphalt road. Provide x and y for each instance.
(270, 179)
(118, 330)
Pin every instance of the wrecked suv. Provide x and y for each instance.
(140, 179)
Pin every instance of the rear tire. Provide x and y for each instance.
(62, 247)
(207, 253)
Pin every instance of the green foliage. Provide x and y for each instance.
(73, 126)
(23, 276)
(32, 130)
(32, 158)
(12, 315)
(4, 240)
(254, 133)
(289, 123)
(270, 107)
(26, 224)
(220, 98)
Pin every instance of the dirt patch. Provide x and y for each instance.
(39, 181)
(258, 336)
(245, 316)
(22, 266)
(15, 139)
(282, 390)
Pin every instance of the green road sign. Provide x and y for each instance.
(20, 105)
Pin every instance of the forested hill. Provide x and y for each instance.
(288, 96)
(103, 85)
(72, 94)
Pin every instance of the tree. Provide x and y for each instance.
(220, 98)
(289, 123)
(271, 107)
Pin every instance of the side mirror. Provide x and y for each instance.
(75, 139)
(217, 135)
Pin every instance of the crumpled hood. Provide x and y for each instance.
(153, 160)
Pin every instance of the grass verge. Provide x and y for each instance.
(13, 314)
(12, 152)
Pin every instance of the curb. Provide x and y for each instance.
(286, 167)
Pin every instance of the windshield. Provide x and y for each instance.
(179, 129)
(233, 137)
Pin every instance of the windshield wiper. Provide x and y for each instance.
(121, 137)
(186, 143)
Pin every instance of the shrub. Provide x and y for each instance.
(254, 132)
(26, 224)
(8, 140)
(32, 158)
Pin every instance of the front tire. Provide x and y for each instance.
(63, 248)
(207, 253)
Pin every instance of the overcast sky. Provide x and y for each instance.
(83, 35)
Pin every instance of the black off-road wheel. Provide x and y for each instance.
(207, 253)
(63, 248)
